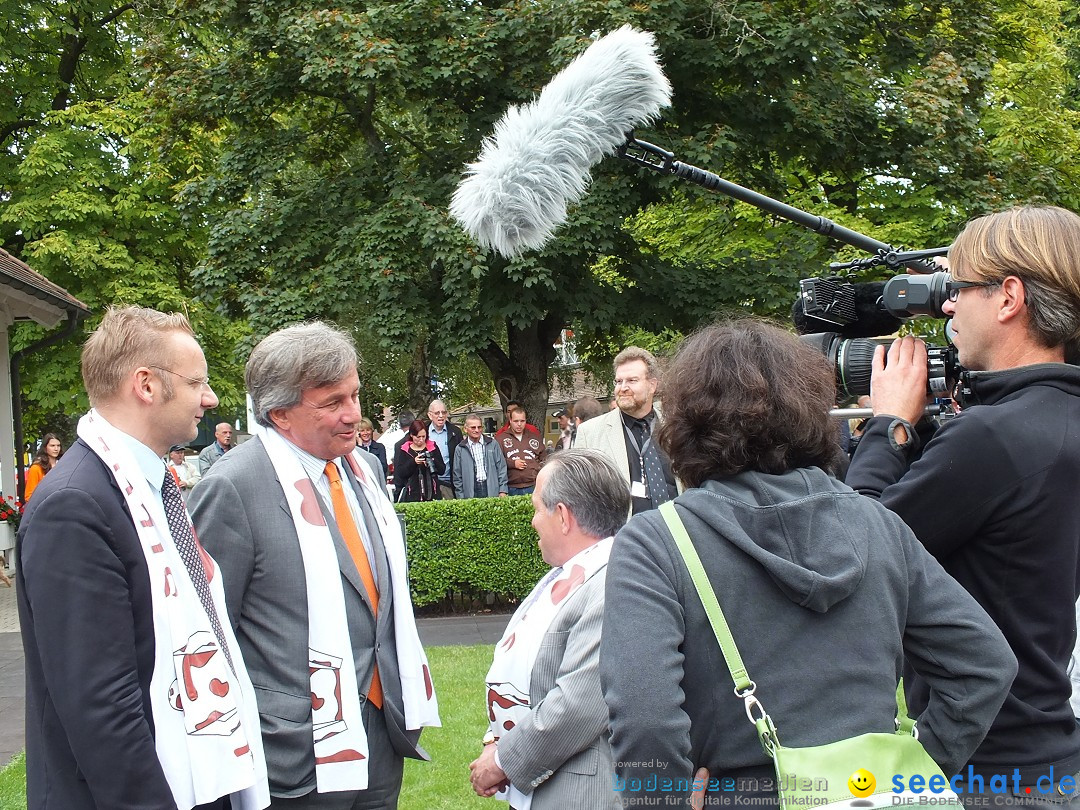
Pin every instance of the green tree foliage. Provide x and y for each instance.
(348, 127)
(296, 161)
(88, 191)
(1033, 118)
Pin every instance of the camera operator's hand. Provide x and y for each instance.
(898, 379)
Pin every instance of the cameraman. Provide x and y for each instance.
(994, 493)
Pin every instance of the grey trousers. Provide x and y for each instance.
(385, 767)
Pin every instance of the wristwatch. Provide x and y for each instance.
(490, 737)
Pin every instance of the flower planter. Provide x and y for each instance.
(7, 536)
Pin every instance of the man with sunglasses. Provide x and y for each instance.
(993, 493)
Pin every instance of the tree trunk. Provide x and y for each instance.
(522, 374)
(418, 378)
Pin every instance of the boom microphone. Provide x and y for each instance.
(867, 317)
(538, 159)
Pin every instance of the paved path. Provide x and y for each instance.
(12, 721)
(448, 630)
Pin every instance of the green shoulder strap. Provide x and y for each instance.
(707, 595)
(904, 723)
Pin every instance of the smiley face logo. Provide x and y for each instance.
(861, 783)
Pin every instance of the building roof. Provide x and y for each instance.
(33, 297)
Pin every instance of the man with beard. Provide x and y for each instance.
(625, 434)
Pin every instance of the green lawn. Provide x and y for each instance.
(13, 785)
(442, 783)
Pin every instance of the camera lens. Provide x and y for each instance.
(854, 362)
(851, 357)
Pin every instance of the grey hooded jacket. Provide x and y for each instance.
(826, 593)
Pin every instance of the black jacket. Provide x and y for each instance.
(417, 482)
(376, 449)
(453, 439)
(994, 496)
(88, 636)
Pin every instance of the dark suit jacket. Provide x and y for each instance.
(88, 636)
(453, 439)
(243, 520)
(376, 449)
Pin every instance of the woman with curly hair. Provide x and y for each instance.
(827, 593)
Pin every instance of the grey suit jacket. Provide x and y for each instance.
(242, 518)
(605, 433)
(560, 751)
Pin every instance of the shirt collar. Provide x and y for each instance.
(151, 465)
(314, 466)
(646, 420)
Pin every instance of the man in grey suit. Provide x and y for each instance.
(625, 434)
(547, 741)
(313, 564)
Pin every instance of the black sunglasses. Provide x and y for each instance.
(954, 287)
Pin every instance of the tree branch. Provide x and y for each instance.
(74, 45)
(492, 356)
(112, 15)
(14, 127)
(365, 119)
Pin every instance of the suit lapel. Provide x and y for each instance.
(617, 441)
(382, 571)
(344, 557)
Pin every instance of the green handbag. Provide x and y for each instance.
(856, 772)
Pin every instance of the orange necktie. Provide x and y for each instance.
(175, 475)
(347, 527)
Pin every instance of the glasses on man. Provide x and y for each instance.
(199, 381)
(954, 287)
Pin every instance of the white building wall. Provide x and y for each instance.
(7, 429)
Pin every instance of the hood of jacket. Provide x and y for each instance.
(796, 526)
(407, 444)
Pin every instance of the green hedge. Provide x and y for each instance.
(477, 545)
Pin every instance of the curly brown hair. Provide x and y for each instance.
(747, 395)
